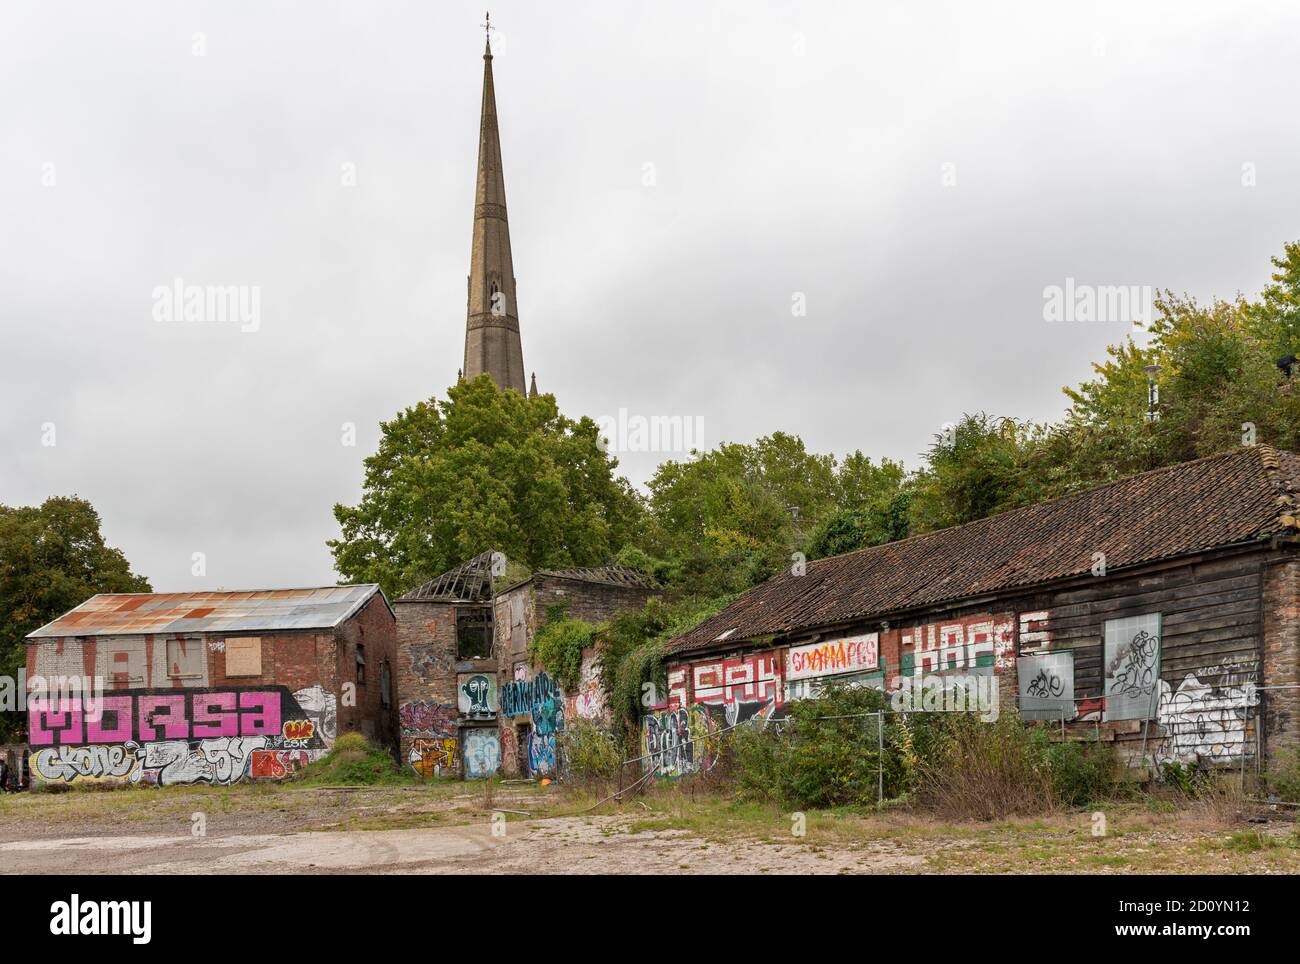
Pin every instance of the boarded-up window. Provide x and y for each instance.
(1046, 686)
(185, 658)
(1131, 663)
(244, 656)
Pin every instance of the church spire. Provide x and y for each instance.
(492, 325)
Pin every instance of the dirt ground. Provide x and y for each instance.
(454, 828)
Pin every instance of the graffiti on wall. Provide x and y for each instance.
(130, 662)
(851, 661)
(541, 700)
(973, 646)
(741, 689)
(427, 719)
(169, 737)
(432, 756)
(482, 752)
(1131, 667)
(476, 694)
(1046, 683)
(674, 742)
(1207, 718)
(588, 703)
(853, 654)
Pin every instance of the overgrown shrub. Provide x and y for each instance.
(1283, 779)
(1184, 777)
(1081, 772)
(985, 771)
(590, 753)
(824, 754)
(558, 644)
(633, 648)
(354, 761)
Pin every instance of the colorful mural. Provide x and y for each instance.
(432, 756)
(541, 700)
(481, 751)
(476, 694)
(427, 719)
(167, 737)
(673, 742)
(588, 703)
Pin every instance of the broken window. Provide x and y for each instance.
(361, 665)
(385, 684)
(473, 632)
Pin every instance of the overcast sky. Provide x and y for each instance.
(677, 173)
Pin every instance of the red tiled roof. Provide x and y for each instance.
(1239, 496)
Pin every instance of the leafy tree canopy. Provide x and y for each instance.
(485, 469)
(52, 559)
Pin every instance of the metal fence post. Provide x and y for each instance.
(880, 758)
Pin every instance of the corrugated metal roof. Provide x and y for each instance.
(268, 610)
(1222, 500)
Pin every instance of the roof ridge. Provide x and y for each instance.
(229, 592)
(1286, 497)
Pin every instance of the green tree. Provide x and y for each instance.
(872, 506)
(1218, 377)
(52, 559)
(485, 469)
(1275, 320)
(981, 466)
(731, 517)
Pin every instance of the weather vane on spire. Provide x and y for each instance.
(487, 26)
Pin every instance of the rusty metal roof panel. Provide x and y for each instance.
(134, 614)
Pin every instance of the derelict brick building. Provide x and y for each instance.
(209, 687)
(470, 700)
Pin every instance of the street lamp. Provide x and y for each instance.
(1153, 394)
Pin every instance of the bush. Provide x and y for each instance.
(354, 761)
(558, 645)
(1283, 779)
(590, 753)
(1081, 772)
(825, 754)
(985, 771)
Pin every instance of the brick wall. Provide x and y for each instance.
(297, 660)
(374, 628)
(1281, 658)
(424, 675)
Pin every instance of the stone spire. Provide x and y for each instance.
(492, 326)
